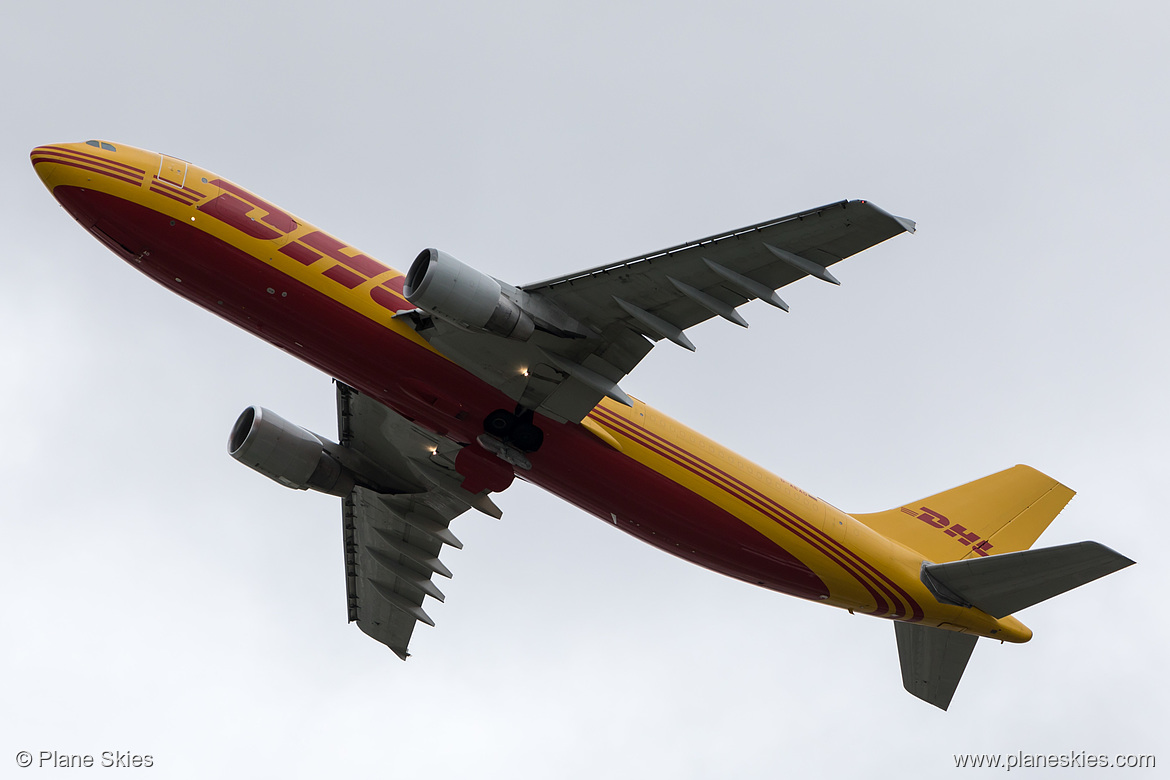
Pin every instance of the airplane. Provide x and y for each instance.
(451, 383)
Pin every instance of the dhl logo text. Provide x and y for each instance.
(957, 530)
(350, 269)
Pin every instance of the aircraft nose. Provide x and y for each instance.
(42, 158)
(90, 163)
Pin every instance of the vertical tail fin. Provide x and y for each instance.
(933, 661)
(1004, 512)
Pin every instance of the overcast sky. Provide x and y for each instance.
(161, 599)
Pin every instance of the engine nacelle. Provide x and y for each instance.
(287, 453)
(441, 285)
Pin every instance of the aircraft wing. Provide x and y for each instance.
(624, 308)
(393, 542)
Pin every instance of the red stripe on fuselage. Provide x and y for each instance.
(88, 159)
(97, 159)
(377, 361)
(161, 190)
(778, 514)
(857, 566)
(182, 193)
(823, 542)
(644, 503)
(61, 160)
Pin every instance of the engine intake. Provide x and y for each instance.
(287, 453)
(441, 285)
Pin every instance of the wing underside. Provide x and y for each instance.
(393, 542)
(626, 307)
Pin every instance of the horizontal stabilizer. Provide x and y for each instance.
(933, 660)
(1001, 585)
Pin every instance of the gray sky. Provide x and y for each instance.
(159, 598)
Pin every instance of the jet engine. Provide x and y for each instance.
(441, 285)
(287, 453)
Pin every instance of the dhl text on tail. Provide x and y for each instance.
(476, 382)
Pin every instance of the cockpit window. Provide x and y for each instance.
(93, 143)
(102, 145)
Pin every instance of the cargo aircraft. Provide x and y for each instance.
(451, 383)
